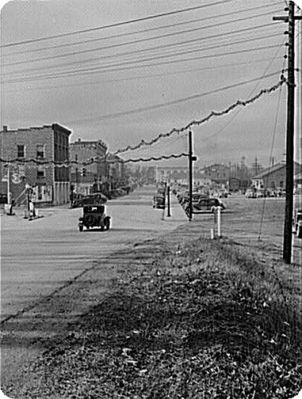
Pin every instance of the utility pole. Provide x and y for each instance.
(191, 159)
(287, 237)
(168, 203)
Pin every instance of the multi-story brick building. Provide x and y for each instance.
(46, 144)
(91, 177)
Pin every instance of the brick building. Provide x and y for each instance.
(92, 177)
(49, 143)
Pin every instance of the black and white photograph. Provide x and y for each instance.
(151, 199)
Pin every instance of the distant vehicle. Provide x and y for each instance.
(250, 193)
(159, 201)
(297, 222)
(94, 216)
(206, 205)
(223, 194)
(260, 193)
(3, 198)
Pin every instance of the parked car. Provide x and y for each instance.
(250, 193)
(205, 205)
(94, 216)
(297, 222)
(3, 198)
(159, 201)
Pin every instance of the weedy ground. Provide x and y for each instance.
(202, 319)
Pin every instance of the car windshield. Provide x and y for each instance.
(94, 209)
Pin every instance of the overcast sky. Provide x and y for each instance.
(127, 70)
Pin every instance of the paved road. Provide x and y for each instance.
(41, 255)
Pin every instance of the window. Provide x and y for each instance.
(40, 172)
(40, 151)
(21, 151)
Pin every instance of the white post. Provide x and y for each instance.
(9, 194)
(219, 221)
(212, 234)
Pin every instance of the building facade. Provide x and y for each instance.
(217, 173)
(274, 177)
(94, 176)
(33, 153)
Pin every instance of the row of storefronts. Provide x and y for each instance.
(42, 163)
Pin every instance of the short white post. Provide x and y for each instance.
(212, 234)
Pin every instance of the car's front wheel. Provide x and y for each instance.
(107, 224)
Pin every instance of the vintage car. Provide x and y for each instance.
(205, 205)
(94, 215)
(159, 201)
(297, 222)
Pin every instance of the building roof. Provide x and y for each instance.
(266, 172)
(24, 129)
(88, 143)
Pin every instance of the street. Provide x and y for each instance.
(40, 255)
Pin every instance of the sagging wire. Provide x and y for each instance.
(270, 158)
(251, 93)
(92, 160)
(238, 103)
(67, 164)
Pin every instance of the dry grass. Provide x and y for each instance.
(206, 320)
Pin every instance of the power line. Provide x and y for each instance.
(102, 70)
(75, 53)
(143, 142)
(144, 30)
(114, 25)
(165, 46)
(179, 101)
(205, 119)
(150, 76)
(251, 93)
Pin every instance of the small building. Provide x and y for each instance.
(33, 153)
(274, 177)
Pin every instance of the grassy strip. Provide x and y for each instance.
(205, 321)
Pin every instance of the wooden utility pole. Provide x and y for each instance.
(287, 237)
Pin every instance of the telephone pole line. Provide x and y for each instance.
(287, 237)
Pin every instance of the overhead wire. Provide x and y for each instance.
(161, 47)
(150, 76)
(270, 156)
(126, 66)
(192, 123)
(250, 94)
(114, 25)
(212, 114)
(124, 34)
(178, 101)
(146, 39)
